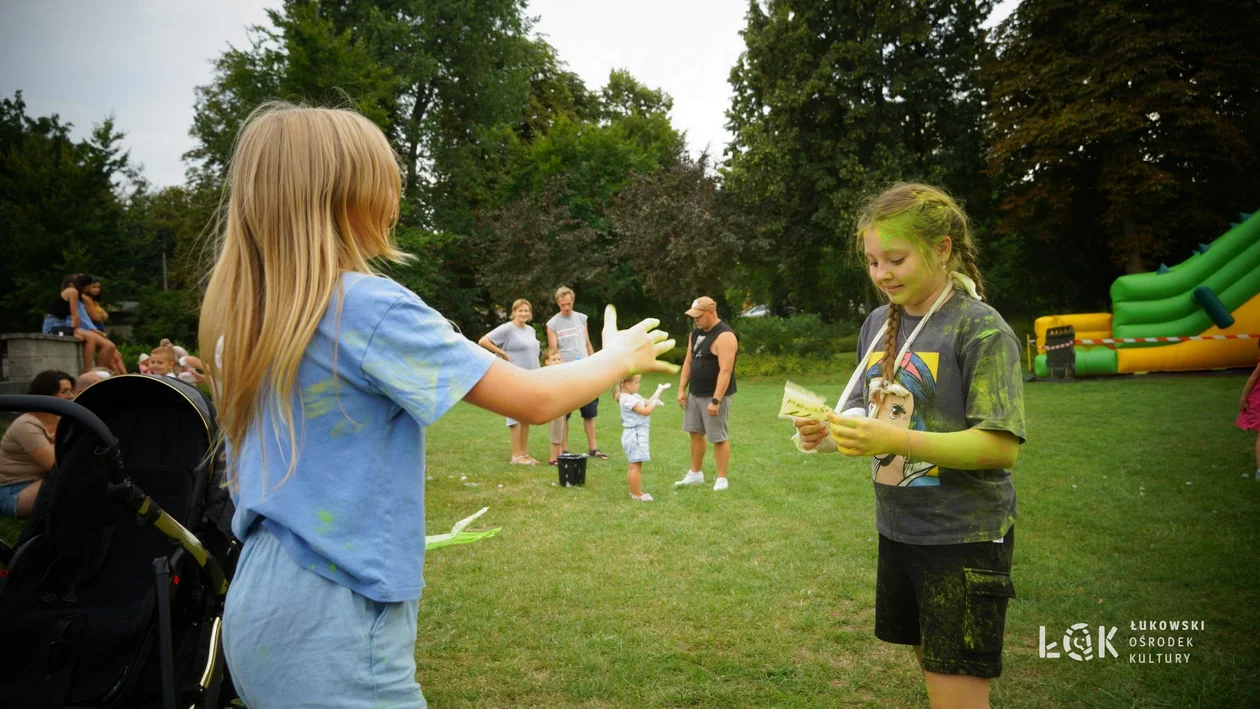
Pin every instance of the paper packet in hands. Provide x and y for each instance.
(799, 402)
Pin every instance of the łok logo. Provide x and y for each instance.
(1079, 645)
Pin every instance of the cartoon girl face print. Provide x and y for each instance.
(902, 404)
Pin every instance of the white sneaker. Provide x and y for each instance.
(719, 484)
(691, 479)
(641, 498)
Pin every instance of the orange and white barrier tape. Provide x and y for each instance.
(1133, 340)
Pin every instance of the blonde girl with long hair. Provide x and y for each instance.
(940, 412)
(325, 377)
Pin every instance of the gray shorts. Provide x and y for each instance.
(634, 441)
(696, 418)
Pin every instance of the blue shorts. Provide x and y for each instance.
(9, 497)
(634, 441)
(293, 638)
(55, 325)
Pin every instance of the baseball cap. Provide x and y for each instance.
(702, 304)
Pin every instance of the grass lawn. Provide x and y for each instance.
(1135, 499)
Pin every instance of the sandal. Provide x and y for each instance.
(553, 462)
(597, 453)
(522, 460)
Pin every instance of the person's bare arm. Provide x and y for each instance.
(645, 408)
(486, 343)
(551, 339)
(74, 308)
(95, 311)
(684, 376)
(44, 457)
(1246, 392)
(725, 348)
(972, 449)
(590, 349)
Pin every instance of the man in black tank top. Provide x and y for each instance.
(710, 371)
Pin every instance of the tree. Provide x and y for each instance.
(1124, 131)
(63, 209)
(447, 82)
(678, 233)
(553, 223)
(553, 92)
(832, 101)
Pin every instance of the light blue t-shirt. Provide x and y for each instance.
(352, 510)
(629, 417)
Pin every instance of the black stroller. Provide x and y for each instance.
(114, 595)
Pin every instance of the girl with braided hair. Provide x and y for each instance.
(941, 414)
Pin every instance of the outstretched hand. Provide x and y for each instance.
(639, 346)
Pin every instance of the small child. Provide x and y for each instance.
(1249, 411)
(557, 425)
(635, 411)
(162, 361)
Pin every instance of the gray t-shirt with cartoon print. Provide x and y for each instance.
(962, 371)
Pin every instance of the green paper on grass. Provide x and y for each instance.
(457, 535)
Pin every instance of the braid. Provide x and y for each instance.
(890, 341)
(966, 251)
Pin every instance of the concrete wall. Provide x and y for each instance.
(23, 355)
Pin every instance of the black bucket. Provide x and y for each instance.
(572, 469)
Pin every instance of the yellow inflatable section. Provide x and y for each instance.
(1200, 354)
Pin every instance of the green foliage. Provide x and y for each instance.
(570, 214)
(553, 92)
(441, 275)
(1125, 132)
(131, 352)
(767, 366)
(65, 207)
(678, 234)
(803, 335)
(832, 101)
(170, 314)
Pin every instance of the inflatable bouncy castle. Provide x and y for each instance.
(1203, 313)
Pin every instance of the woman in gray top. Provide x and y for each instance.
(516, 342)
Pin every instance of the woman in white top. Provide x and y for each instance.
(516, 342)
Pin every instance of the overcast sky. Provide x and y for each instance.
(141, 59)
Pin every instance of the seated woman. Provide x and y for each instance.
(91, 313)
(67, 312)
(58, 320)
(90, 296)
(26, 451)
